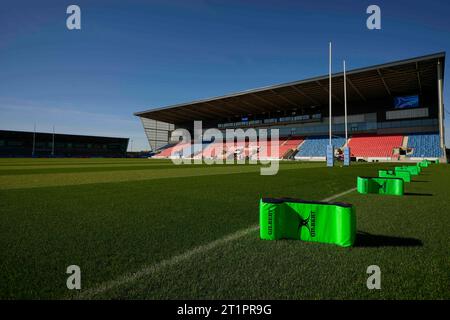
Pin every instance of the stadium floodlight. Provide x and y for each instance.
(53, 142)
(34, 140)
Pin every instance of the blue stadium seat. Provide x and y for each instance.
(317, 146)
(425, 145)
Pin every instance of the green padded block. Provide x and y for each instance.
(323, 222)
(402, 174)
(390, 186)
(424, 164)
(413, 170)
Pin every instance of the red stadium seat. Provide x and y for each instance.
(166, 153)
(284, 145)
(288, 145)
(212, 150)
(371, 145)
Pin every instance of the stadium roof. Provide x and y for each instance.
(5, 132)
(363, 84)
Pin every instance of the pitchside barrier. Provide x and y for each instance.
(389, 186)
(402, 174)
(424, 164)
(323, 222)
(327, 222)
(413, 170)
(419, 168)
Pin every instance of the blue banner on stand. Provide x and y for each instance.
(346, 156)
(330, 156)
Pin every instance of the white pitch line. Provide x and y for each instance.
(148, 270)
(339, 195)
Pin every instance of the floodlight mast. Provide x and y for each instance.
(34, 140)
(53, 142)
(329, 91)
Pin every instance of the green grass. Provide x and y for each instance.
(113, 217)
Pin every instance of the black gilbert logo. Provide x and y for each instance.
(309, 223)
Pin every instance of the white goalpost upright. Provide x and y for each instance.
(346, 149)
(345, 104)
(329, 92)
(330, 148)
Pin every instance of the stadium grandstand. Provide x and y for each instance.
(45, 144)
(395, 113)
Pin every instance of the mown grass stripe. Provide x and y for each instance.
(8, 182)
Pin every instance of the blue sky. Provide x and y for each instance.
(134, 55)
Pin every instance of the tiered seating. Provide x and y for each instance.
(184, 150)
(316, 146)
(166, 153)
(425, 145)
(263, 149)
(244, 149)
(288, 145)
(376, 146)
(266, 150)
(364, 146)
(217, 150)
(210, 151)
(192, 150)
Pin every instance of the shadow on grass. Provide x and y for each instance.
(420, 181)
(364, 239)
(418, 194)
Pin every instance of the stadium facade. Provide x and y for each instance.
(395, 112)
(43, 144)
